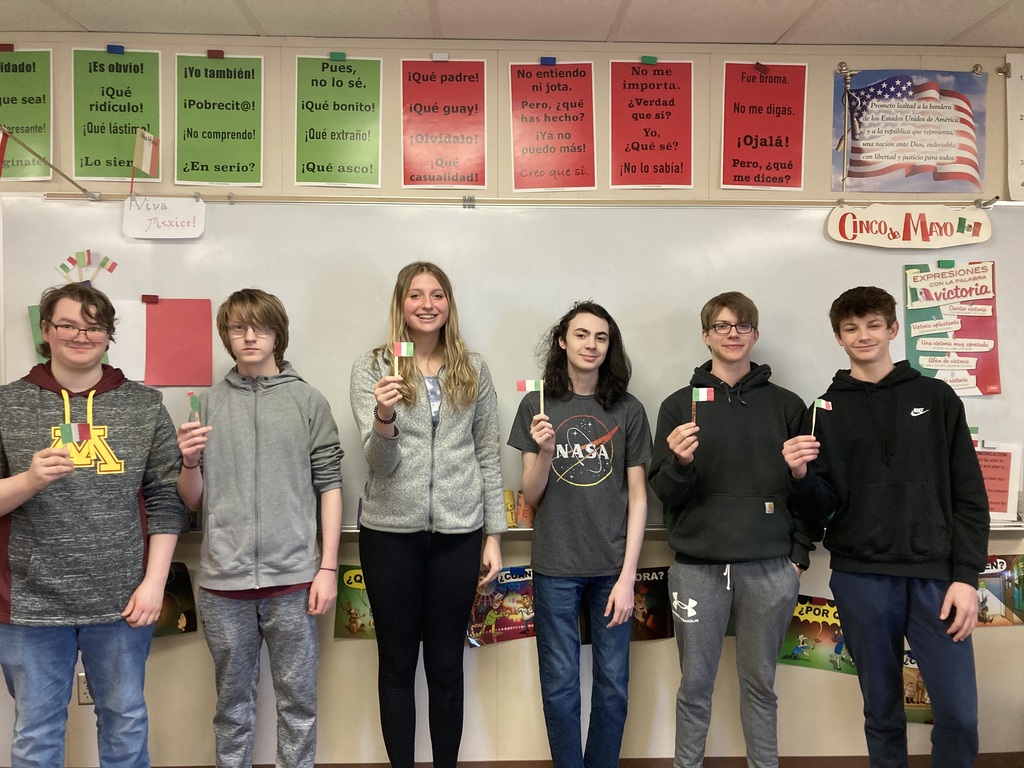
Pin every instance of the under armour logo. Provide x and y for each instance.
(689, 606)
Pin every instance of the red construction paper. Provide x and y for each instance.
(179, 343)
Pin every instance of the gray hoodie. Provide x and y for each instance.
(273, 450)
(445, 479)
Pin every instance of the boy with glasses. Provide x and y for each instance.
(892, 468)
(270, 452)
(739, 552)
(82, 566)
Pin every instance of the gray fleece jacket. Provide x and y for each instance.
(445, 479)
(273, 450)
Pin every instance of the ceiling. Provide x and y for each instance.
(974, 23)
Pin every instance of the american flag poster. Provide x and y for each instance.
(908, 131)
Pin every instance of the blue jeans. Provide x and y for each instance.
(39, 668)
(877, 612)
(557, 604)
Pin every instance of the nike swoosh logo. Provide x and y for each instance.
(918, 411)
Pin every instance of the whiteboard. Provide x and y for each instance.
(515, 270)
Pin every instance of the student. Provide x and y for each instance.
(584, 462)
(739, 552)
(69, 505)
(433, 494)
(892, 468)
(264, 454)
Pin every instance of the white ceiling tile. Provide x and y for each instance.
(1003, 28)
(344, 18)
(885, 22)
(20, 16)
(582, 20)
(719, 21)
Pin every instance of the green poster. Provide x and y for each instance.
(26, 108)
(115, 95)
(337, 122)
(219, 134)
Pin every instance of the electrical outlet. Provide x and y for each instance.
(84, 695)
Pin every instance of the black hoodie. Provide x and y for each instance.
(899, 476)
(730, 505)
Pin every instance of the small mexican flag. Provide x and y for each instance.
(107, 264)
(825, 405)
(529, 385)
(403, 349)
(74, 433)
(703, 394)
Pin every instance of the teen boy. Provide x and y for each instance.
(739, 552)
(269, 448)
(892, 468)
(82, 567)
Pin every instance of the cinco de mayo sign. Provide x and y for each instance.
(909, 226)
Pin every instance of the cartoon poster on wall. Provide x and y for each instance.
(178, 613)
(908, 131)
(950, 324)
(353, 617)
(503, 608)
(1001, 592)
(815, 638)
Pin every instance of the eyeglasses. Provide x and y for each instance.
(239, 330)
(70, 332)
(723, 328)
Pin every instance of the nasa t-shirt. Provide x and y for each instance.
(580, 527)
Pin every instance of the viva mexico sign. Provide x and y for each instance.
(909, 226)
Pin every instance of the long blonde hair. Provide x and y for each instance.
(460, 384)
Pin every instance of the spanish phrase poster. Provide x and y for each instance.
(337, 122)
(444, 124)
(763, 111)
(651, 113)
(552, 126)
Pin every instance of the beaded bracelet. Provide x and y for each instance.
(377, 417)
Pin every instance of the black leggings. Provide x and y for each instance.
(420, 587)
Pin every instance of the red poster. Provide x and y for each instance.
(763, 126)
(179, 343)
(552, 126)
(444, 124)
(652, 124)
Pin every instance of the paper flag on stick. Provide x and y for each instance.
(532, 385)
(105, 265)
(399, 349)
(147, 153)
(193, 406)
(529, 385)
(700, 395)
(825, 405)
(74, 433)
(84, 258)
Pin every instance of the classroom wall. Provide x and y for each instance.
(515, 269)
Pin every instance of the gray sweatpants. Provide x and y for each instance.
(760, 597)
(235, 631)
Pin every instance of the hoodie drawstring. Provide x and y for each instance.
(728, 576)
(88, 407)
